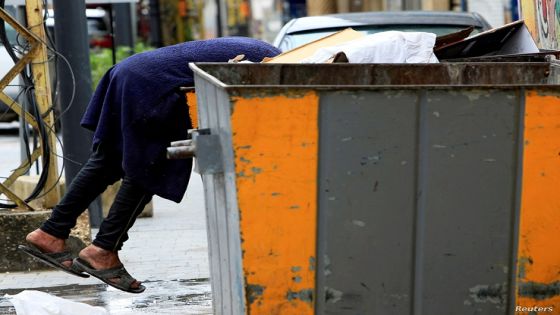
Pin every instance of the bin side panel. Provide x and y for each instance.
(538, 276)
(467, 201)
(229, 198)
(222, 214)
(206, 95)
(367, 198)
(275, 141)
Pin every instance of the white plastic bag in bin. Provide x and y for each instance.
(31, 302)
(383, 47)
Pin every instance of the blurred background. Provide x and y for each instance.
(119, 28)
(165, 22)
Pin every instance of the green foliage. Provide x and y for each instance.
(102, 59)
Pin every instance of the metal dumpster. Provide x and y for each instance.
(381, 189)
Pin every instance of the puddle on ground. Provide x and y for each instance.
(161, 297)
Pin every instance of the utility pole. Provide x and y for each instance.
(74, 45)
(39, 69)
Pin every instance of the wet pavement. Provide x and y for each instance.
(161, 297)
(168, 253)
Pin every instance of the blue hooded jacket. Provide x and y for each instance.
(137, 108)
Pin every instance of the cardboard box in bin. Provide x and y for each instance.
(305, 51)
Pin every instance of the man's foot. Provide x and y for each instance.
(102, 259)
(47, 243)
(51, 251)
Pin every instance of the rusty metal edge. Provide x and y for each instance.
(215, 81)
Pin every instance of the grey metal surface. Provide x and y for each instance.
(367, 178)
(205, 95)
(222, 213)
(417, 201)
(467, 190)
(209, 152)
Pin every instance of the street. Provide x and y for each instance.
(167, 252)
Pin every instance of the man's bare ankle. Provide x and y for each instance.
(99, 257)
(45, 241)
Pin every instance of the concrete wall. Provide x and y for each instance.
(14, 227)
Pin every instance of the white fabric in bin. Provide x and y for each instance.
(384, 47)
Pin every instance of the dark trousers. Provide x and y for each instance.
(101, 170)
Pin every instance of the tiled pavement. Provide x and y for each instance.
(167, 251)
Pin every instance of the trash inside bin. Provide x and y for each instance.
(381, 189)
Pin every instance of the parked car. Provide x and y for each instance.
(303, 30)
(98, 27)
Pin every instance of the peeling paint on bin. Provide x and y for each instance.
(193, 110)
(279, 233)
(538, 275)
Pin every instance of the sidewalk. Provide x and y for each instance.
(167, 252)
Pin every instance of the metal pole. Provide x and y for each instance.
(71, 39)
(133, 22)
(155, 24)
(220, 32)
(112, 31)
(123, 25)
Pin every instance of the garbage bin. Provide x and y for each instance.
(381, 189)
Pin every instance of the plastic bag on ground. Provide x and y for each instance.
(384, 47)
(31, 302)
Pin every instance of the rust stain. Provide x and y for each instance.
(253, 293)
(275, 173)
(494, 293)
(538, 260)
(302, 295)
(539, 291)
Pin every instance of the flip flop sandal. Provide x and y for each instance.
(53, 259)
(125, 280)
